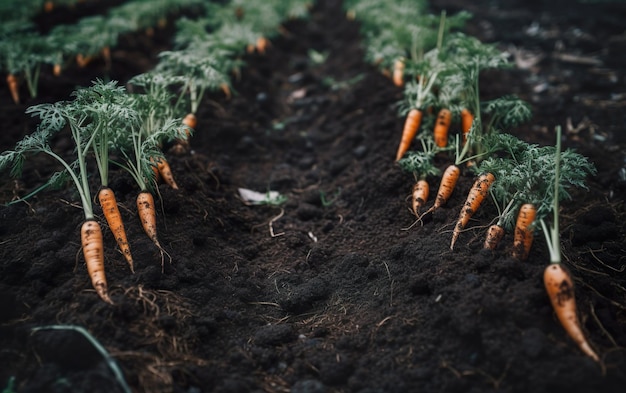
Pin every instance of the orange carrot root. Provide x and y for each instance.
(155, 171)
(14, 87)
(475, 198)
(181, 146)
(226, 90)
(560, 289)
(411, 125)
(147, 215)
(442, 126)
(448, 183)
(190, 120)
(419, 196)
(398, 73)
(494, 236)
(262, 44)
(523, 236)
(93, 252)
(467, 119)
(82, 61)
(106, 54)
(166, 173)
(114, 219)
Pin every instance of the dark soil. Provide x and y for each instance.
(328, 292)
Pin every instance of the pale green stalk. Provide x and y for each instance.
(552, 233)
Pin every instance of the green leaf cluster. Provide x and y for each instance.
(525, 173)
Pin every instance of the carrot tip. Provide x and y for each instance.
(102, 291)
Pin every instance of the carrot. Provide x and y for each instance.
(442, 126)
(448, 182)
(56, 70)
(48, 6)
(560, 289)
(262, 44)
(147, 215)
(226, 90)
(494, 236)
(467, 118)
(106, 54)
(190, 120)
(398, 73)
(165, 172)
(419, 195)
(523, 236)
(114, 219)
(155, 171)
(411, 125)
(182, 145)
(93, 252)
(475, 198)
(14, 87)
(82, 60)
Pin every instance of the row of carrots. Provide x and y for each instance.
(109, 127)
(25, 52)
(439, 68)
(128, 128)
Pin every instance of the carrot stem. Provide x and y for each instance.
(552, 233)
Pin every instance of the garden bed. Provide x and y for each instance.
(333, 290)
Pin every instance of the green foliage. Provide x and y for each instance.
(506, 112)
(421, 162)
(526, 173)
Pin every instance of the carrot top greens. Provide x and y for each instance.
(526, 173)
(421, 163)
(53, 118)
(104, 108)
